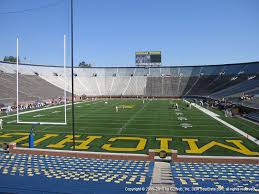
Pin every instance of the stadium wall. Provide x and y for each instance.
(151, 156)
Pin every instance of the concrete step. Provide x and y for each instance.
(162, 180)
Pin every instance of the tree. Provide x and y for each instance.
(10, 59)
(84, 64)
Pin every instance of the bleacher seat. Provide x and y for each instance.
(216, 81)
(216, 178)
(39, 174)
(254, 116)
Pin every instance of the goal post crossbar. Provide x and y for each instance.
(17, 91)
(42, 123)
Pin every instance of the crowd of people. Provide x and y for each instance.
(30, 105)
(246, 97)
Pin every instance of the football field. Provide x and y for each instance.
(135, 127)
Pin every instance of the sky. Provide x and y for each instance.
(109, 32)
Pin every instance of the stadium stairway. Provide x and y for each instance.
(52, 174)
(162, 180)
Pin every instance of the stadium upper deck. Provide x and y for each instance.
(250, 68)
(216, 81)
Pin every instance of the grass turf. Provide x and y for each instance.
(150, 120)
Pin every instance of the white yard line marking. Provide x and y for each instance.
(246, 124)
(36, 116)
(186, 125)
(132, 118)
(57, 111)
(95, 110)
(215, 116)
(182, 118)
(37, 110)
(14, 121)
(43, 129)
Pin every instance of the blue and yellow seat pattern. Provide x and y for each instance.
(216, 178)
(51, 174)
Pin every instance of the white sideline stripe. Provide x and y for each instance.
(210, 113)
(36, 110)
(215, 116)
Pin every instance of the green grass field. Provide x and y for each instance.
(150, 120)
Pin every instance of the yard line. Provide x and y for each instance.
(14, 121)
(44, 128)
(35, 116)
(246, 124)
(132, 118)
(96, 110)
(57, 111)
(37, 110)
(215, 116)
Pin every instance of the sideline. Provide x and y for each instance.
(215, 116)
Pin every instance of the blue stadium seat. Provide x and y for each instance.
(216, 178)
(38, 174)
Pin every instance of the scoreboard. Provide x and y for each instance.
(152, 58)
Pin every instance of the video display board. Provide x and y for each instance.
(148, 58)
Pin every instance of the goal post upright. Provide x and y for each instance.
(65, 75)
(17, 80)
(17, 89)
